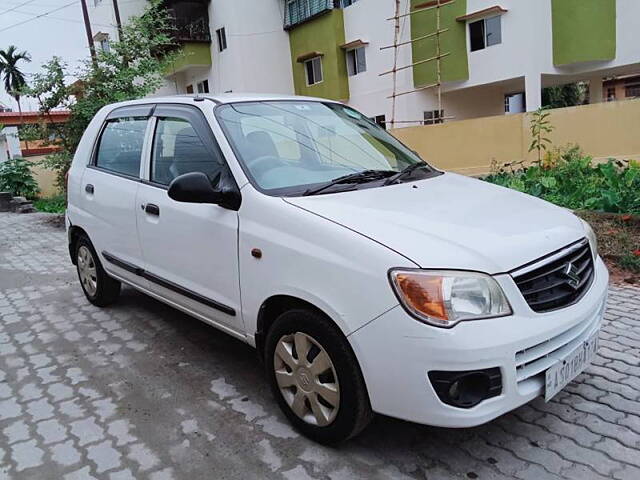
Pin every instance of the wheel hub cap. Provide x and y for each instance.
(304, 379)
(87, 270)
(307, 378)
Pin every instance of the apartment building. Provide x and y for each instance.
(621, 88)
(491, 56)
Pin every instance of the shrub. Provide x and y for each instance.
(51, 205)
(16, 177)
(571, 179)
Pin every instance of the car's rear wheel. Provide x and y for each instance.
(315, 377)
(99, 288)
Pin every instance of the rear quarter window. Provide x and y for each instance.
(120, 146)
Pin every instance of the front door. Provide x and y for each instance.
(189, 250)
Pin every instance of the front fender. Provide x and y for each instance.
(339, 271)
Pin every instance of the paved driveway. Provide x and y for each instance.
(140, 390)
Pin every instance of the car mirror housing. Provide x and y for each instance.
(195, 187)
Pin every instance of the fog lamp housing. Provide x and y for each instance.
(466, 389)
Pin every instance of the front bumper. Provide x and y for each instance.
(396, 352)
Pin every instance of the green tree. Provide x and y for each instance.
(540, 126)
(12, 76)
(568, 95)
(131, 69)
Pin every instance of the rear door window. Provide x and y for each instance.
(120, 148)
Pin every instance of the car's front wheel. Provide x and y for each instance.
(315, 377)
(99, 288)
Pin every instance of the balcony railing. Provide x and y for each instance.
(299, 11)
(190, 30)
(189, 20)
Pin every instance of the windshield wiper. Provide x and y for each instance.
(357, 177)
(405, 172)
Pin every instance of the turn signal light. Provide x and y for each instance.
(445, 297)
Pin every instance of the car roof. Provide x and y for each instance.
(219, 98)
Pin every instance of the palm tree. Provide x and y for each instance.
(14, 80)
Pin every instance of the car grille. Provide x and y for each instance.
(558, 280)
(531, 362)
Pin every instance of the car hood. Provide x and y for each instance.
(451, 221)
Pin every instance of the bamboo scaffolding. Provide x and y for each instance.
(416, 39)
(396, 37)
(437, 58)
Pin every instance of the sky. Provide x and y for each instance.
(59, 33)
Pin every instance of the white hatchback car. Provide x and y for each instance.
(367, 280)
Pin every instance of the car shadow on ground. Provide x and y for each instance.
(207, 349)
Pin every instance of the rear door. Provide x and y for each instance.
(190, 250)
(109, 188)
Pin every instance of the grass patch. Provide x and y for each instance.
(51, 205)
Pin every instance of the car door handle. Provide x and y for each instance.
(88, 188)
(152, 209)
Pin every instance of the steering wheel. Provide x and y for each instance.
(261, 164)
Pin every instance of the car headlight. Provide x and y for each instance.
(444, 298)
(593, 240)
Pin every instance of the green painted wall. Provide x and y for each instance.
(322, 34)
(583, 30)
(453, 67)
(195, 54)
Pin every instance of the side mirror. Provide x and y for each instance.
(195, 187)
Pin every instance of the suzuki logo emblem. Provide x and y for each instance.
(571, 272)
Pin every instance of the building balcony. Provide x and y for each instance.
(300, 11)
(193, 55)
(189, 20)
(191, 35)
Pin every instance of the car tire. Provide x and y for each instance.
(336, 404)
(99, 288)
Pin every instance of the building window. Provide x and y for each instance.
(313, 68)
(485, 33)
(356, 61)
(380, 120)
(189, 88)
(514, 103)
(433, 116)
(346, 3)
(632, 88)
(203, 87)
(222, 39)
(611, 94)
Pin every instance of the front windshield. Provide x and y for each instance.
(288, 147)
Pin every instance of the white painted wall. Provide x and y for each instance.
(257, 58)
(12, 141)
(4, 149)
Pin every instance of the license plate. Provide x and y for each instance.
(569, 367)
